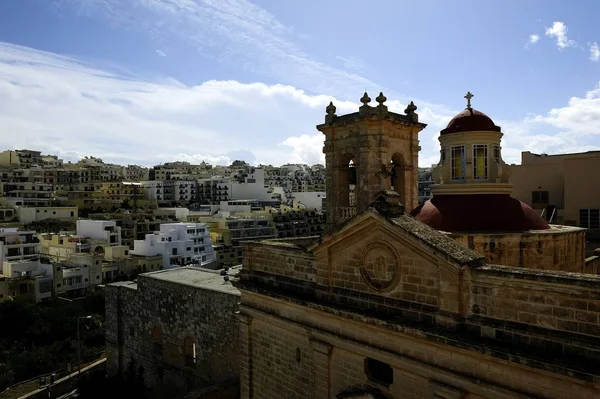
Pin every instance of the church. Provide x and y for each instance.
(469, 295)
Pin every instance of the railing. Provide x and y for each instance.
(346, 212)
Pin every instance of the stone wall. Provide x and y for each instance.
(335, 345)
(560, 248)
(531, 303)
(281, 257)
(180, 310)
(417, 279)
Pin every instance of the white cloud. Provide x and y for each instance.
(62, 106)
(533, 38)
(558, 31)
(594, 52)
(581, 116)
(161, 53)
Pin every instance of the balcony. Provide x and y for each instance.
(346, 212)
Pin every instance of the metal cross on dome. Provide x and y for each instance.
(469, 96)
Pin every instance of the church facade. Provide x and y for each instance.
(390, 304)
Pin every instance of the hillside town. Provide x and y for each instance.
(189, 275)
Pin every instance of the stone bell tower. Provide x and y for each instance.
(362, 147)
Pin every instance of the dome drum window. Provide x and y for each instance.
(480, 161)
(458, 162)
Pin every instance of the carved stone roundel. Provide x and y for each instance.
(379, 266)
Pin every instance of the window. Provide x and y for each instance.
(497, 153)
(540, 198)
(157, 339)
(442, 155)
(189, 352)
(480, 162)
(589, 218)
(379, 372)
(458, 162)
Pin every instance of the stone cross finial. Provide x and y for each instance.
(365, 99)
(383, 174)
(381, 98)
(469, 96)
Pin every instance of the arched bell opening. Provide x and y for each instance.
(398, 178)
(347, 181)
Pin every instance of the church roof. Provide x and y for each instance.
(430, 237)
(470, 120)
(478, 212)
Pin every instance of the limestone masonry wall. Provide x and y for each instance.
(179, 311)
(280, 261)
(559, 249)
(561, 302)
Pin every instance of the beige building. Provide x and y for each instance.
(563, 187)
(22, 158)
(387, 306)
(32, 214)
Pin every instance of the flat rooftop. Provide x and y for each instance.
(197, 277)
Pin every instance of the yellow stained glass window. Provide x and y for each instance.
(480, 161)
(458, 162)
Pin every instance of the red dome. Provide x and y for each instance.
(478, 212)
(470, 120)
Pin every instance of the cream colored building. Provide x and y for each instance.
(564, 187)
(35, 214)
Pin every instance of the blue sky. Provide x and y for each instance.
(149, 81)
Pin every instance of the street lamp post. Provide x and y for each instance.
(79, 343)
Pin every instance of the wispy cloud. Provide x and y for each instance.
(594, 52)
(533, 38)
(161, 53)
(352, 63)
(558, 31)
(233, 32)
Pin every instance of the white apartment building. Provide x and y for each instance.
(170, 190)
(310, 199)
(101, 230)
(49, 278)
(179, 244)
(17, 245)
(252, 184)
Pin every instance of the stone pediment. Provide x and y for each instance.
(371, 228)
